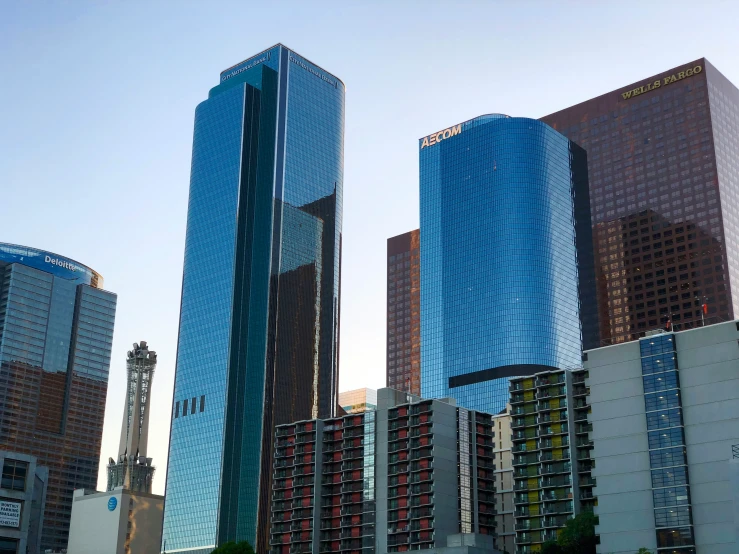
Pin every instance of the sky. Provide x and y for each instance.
(97, 100)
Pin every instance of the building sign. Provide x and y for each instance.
(10, 514)
(441, 135)
(61, 263)
(244, 66)
(112, 503)
(662, 82)
(318, 74)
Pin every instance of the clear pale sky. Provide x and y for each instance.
(96, 113)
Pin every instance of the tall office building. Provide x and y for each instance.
(133, 470)
(56, 332)
(664, 188)
(403, 350)
(507, 282)
(259, 321)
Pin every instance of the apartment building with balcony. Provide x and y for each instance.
(551, 448)
(323, 487)
(404, 477)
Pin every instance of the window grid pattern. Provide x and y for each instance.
(403, 361)
(499, 275)
(664, 189)
(56, 331)
(260, 301)
(667, 452)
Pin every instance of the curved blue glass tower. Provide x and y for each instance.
(259, 321)
(505, 223)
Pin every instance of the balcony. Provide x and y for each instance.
(586, 495)
(563, 508)
(517, 423)
(580, 390)
(584, 428)
(549, 469)
(517, 399)
(549, 482)
(584, 441)
(554, 495)
(551, 380)
(587, 481)
(585, 467)
(521, 486)
(522, 512)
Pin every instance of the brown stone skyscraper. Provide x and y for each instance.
(664, 194)
(403, 358)
(56, 332)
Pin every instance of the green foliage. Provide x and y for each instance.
(644, 550)
(242, 547)
(578, 535)
(551, 547)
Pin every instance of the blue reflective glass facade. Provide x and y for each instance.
(56, 333)
(258, 339)
(505, 222)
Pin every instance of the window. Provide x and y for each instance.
(14, 475)
(8, 546)
(192, 405)
(184, 408)
(673, 496)
(667, 457)
(662, 400)
(666, 438)
(202, 403)
(660, 382)
(669, 477)
(675, 537)
(177, 410)
(664, 419)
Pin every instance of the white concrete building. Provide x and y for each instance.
(665, 415)
(115, 522)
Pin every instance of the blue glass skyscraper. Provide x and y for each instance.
(507, 278)
(259, 320)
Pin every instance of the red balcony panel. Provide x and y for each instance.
(309, 447)
(305, 502)
(403, 514)
(337, 456)
(289, 451)
(402, 479)
(288, 483)
(402, 502)
(309, 426)
(357, 497)
(423, 464)
(335, 546)
(356, 519)
(403, 433)
(424, 441)
(423, 418)
(305, 524)
(336, 511)
(338, 435)
(286, 537)
(425, 498)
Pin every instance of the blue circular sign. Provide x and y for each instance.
(112, 503)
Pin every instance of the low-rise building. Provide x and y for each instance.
(22, 503)
(120, 521)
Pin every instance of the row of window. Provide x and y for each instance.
(189, 406)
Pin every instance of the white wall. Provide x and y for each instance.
(94, 529)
